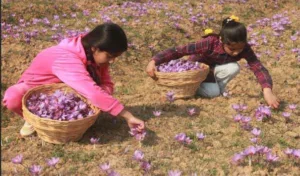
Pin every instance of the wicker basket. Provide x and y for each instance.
(54, 131)
(184, 84)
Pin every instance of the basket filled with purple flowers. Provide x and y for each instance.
(183, 77)
(58, 113)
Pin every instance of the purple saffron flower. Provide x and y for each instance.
(138, 155)
(170, 96)
(256, 132)
(35, 169)
(293, 38)
(156, 113)
(296, 153)
(18, 159)
(237, 117)
(286, 115)
(191, 111)
(237, 158)
(236, 107)
(94, 140)
(180, 137)
(187, 140)
(200, 136)
(105, 167)
(52, 161)
(292, 106)
(174, 173)
(113, 173)
(254, 140)
(138, 135)
(146, 166)
(271, 158)
(288, 151)
(245, 119)
(251, 150)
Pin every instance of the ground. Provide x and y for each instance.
(150, 27)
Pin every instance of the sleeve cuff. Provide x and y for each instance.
(116, 110)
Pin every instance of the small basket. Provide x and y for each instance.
(184, 84)
(55, 131)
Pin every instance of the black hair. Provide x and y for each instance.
(108, 37)
(231, 31)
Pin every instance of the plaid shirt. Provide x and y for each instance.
(210, 51)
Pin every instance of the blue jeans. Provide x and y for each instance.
(223, 74)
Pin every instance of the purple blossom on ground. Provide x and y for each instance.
(52, 161)
(18, 159)
(94, 140)
(254, 140)
(271, 158)
(170, 96)
(200, 136)
(237, 117)
(174, 173)
(292, 106)
(191, 111)
(251, 150)
(236, 107)
(35, 169)
(286, 115)
(256, 132)
(146, 166)
(113, 173)
(262, 112)
(138, 155)
(138, 135)
(156, 113)
(288, 151)
(296, 153)
(105, 167)
(237, 158)
(180, 137)
(188, 140)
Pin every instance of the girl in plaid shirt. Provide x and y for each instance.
(221, 52)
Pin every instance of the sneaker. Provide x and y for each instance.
(27, 130)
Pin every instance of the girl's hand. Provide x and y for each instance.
(132, 121)
(270, 98)
(151, 69)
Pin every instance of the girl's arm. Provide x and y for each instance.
(201, 47)
(262, 76)
(72, 72)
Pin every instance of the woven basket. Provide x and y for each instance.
(184, 84)
(54, 131)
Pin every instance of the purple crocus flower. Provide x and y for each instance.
(286, 115)
(18, 159)
(188, 140)
(288, 151)
(180, 137)
(35, 169)
(174, 173)
(256, 132)
(105, 167)
(236, 107)
(156, 113)
(292, 106)
(245, 119)
(293, 38)
(113, 173)
(146, 166)
(254, 140)
(138, 135)
(170, 96)
(271, 158)
(52, 161)
(191, 111)
(138, 155)
(200, 136)
(237, 158)
(94, 140)
(296, 153)
(237, 117)
(251, 150)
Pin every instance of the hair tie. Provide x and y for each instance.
(208, 31)
(234, 18)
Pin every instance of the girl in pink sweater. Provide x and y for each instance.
(82, 63)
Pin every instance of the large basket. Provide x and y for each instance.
(184, 84)
(54, 131)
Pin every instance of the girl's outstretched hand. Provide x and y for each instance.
(132, 121)
(151, 69)
(270, 98)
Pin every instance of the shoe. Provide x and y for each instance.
(27, 130)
